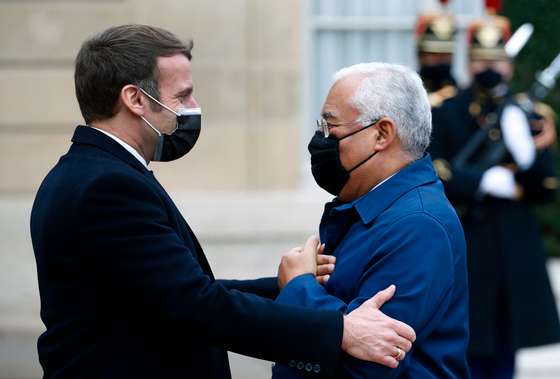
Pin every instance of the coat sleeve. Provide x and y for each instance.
(265, 287)
(141, 260)
(416, 256)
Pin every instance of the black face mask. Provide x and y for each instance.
(175, 145)
(488, 78)
(328, 171)
(436, 76)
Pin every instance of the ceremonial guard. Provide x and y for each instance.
(494, 160)
(435, 44)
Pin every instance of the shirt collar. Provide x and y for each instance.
(373, 203)
(383, 181)
(128, 148)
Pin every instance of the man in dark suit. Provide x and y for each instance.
(126, 290)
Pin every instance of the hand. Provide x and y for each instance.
(547, 133)
(369, 335)
(499, 181)
(325, 266)
(298, 261)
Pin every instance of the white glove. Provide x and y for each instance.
(499, 182)
(517, 136)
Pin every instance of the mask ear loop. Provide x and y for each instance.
(181, 112)
(153, 98)
(163, 105)
(151, 126)
(362, 162)
(372, 154)
(375, 121)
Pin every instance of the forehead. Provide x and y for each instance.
(338, 99)
(174, 73)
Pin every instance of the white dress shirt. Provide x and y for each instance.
(383, 181)
(128, 148)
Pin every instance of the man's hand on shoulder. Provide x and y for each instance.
(372, 336)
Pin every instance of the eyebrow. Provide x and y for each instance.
(186, 92)
(327, 115)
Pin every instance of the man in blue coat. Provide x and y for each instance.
(390, 223)
(126, 291)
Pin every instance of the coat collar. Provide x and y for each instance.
(86, 135)
(370, 205)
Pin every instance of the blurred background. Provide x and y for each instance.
(261, 71)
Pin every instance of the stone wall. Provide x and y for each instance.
(246, 67)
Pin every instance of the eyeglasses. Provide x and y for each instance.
(324, 127)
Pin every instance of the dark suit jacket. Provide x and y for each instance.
(126, 290)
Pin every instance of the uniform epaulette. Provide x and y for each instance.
(443, 169)
(437, 98)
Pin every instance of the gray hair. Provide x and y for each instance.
(397, 92)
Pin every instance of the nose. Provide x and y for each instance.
(192, 103)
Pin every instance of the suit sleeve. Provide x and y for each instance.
(416, 256)
(130, 244)
(264, 287)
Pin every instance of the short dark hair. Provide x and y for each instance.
(118, 56)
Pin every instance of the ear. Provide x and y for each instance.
(131, 98)
(386, 133)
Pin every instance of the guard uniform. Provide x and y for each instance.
(435, 44)
(511, 302)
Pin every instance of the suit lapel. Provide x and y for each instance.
(198, 251)
(90, 136)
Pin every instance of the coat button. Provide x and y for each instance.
(317, 368)
(292, 363)
(308, 367)
(300, 365)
